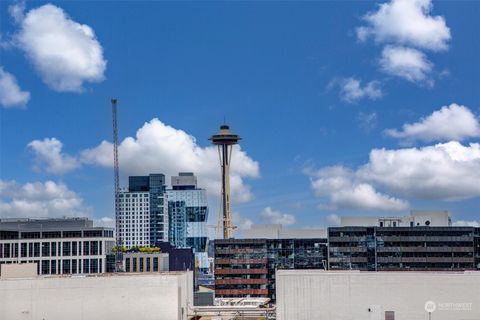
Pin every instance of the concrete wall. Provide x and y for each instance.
(146, 296)
(23, 270)
(324, 295)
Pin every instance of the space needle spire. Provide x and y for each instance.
(225, 141)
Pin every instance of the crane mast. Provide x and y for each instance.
(119, 242)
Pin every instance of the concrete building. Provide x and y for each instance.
(119, 296)
(143, 212)
(416, 218)
(188, 214)
(421, 241)
(246, 267)
(145, 262)
(345, 295)
(58, 246)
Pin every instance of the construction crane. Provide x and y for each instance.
(116, 178)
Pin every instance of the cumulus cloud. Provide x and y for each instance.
(453, 122)
(49, 156)
(64, 52)
(343, 190)
(158, 147)
(39, 200)
(351, 90)
(277, 217)
(463, 223)
(406, 22)
(445, 171)
(11, 95)
(406, 63)
(334, 219)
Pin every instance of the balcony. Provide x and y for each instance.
(241, 271)
(240, 261)
(242, 292)
(240, 281)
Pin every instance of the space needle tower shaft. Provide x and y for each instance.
(225, 140)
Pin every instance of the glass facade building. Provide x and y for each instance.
(246, 267)
(188, 214)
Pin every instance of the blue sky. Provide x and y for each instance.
(312, 88)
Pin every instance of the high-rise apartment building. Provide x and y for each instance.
(422, 241)
(57, 246)
(143, 211)
(188, 214)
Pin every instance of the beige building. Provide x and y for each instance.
(120, 296)
(145, 262)
(355, 295)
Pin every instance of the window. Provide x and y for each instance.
(148, 264)
(155, 264)
(86, 248)
(141, 264)
(45, 249)
(74, 266)
(74, 248)
(53, 266)
(127, 264)
(86, 266)
(134, 267)
(36, 249)
(23, 250)
(67, 248)
(66, 266)
(54, 248)
(45, 267)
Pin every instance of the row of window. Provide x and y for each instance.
(51, 249)
(65, 266)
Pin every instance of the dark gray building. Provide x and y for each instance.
(423, 241)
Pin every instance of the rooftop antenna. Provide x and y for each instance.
(116, 170)
(225, 140)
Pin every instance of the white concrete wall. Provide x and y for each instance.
(120, 297)
(324, 295)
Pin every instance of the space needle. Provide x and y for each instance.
(225, 140)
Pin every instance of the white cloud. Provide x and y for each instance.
(10, 93)
(158, 147)
(351, 90)
(453, 122)
(106, 222)
(65, 53)
(334, 219)
(463, 223)
(343, 191)
(406, 63)
(406, 22)
(39, 200)
(49, 156)
(367, 121)
(446, 171)
(277, 217)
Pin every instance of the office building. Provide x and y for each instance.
(347, 295)
(143, 212)
(58, 246)
(188, 214)
(421, 241)
(246, 267)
